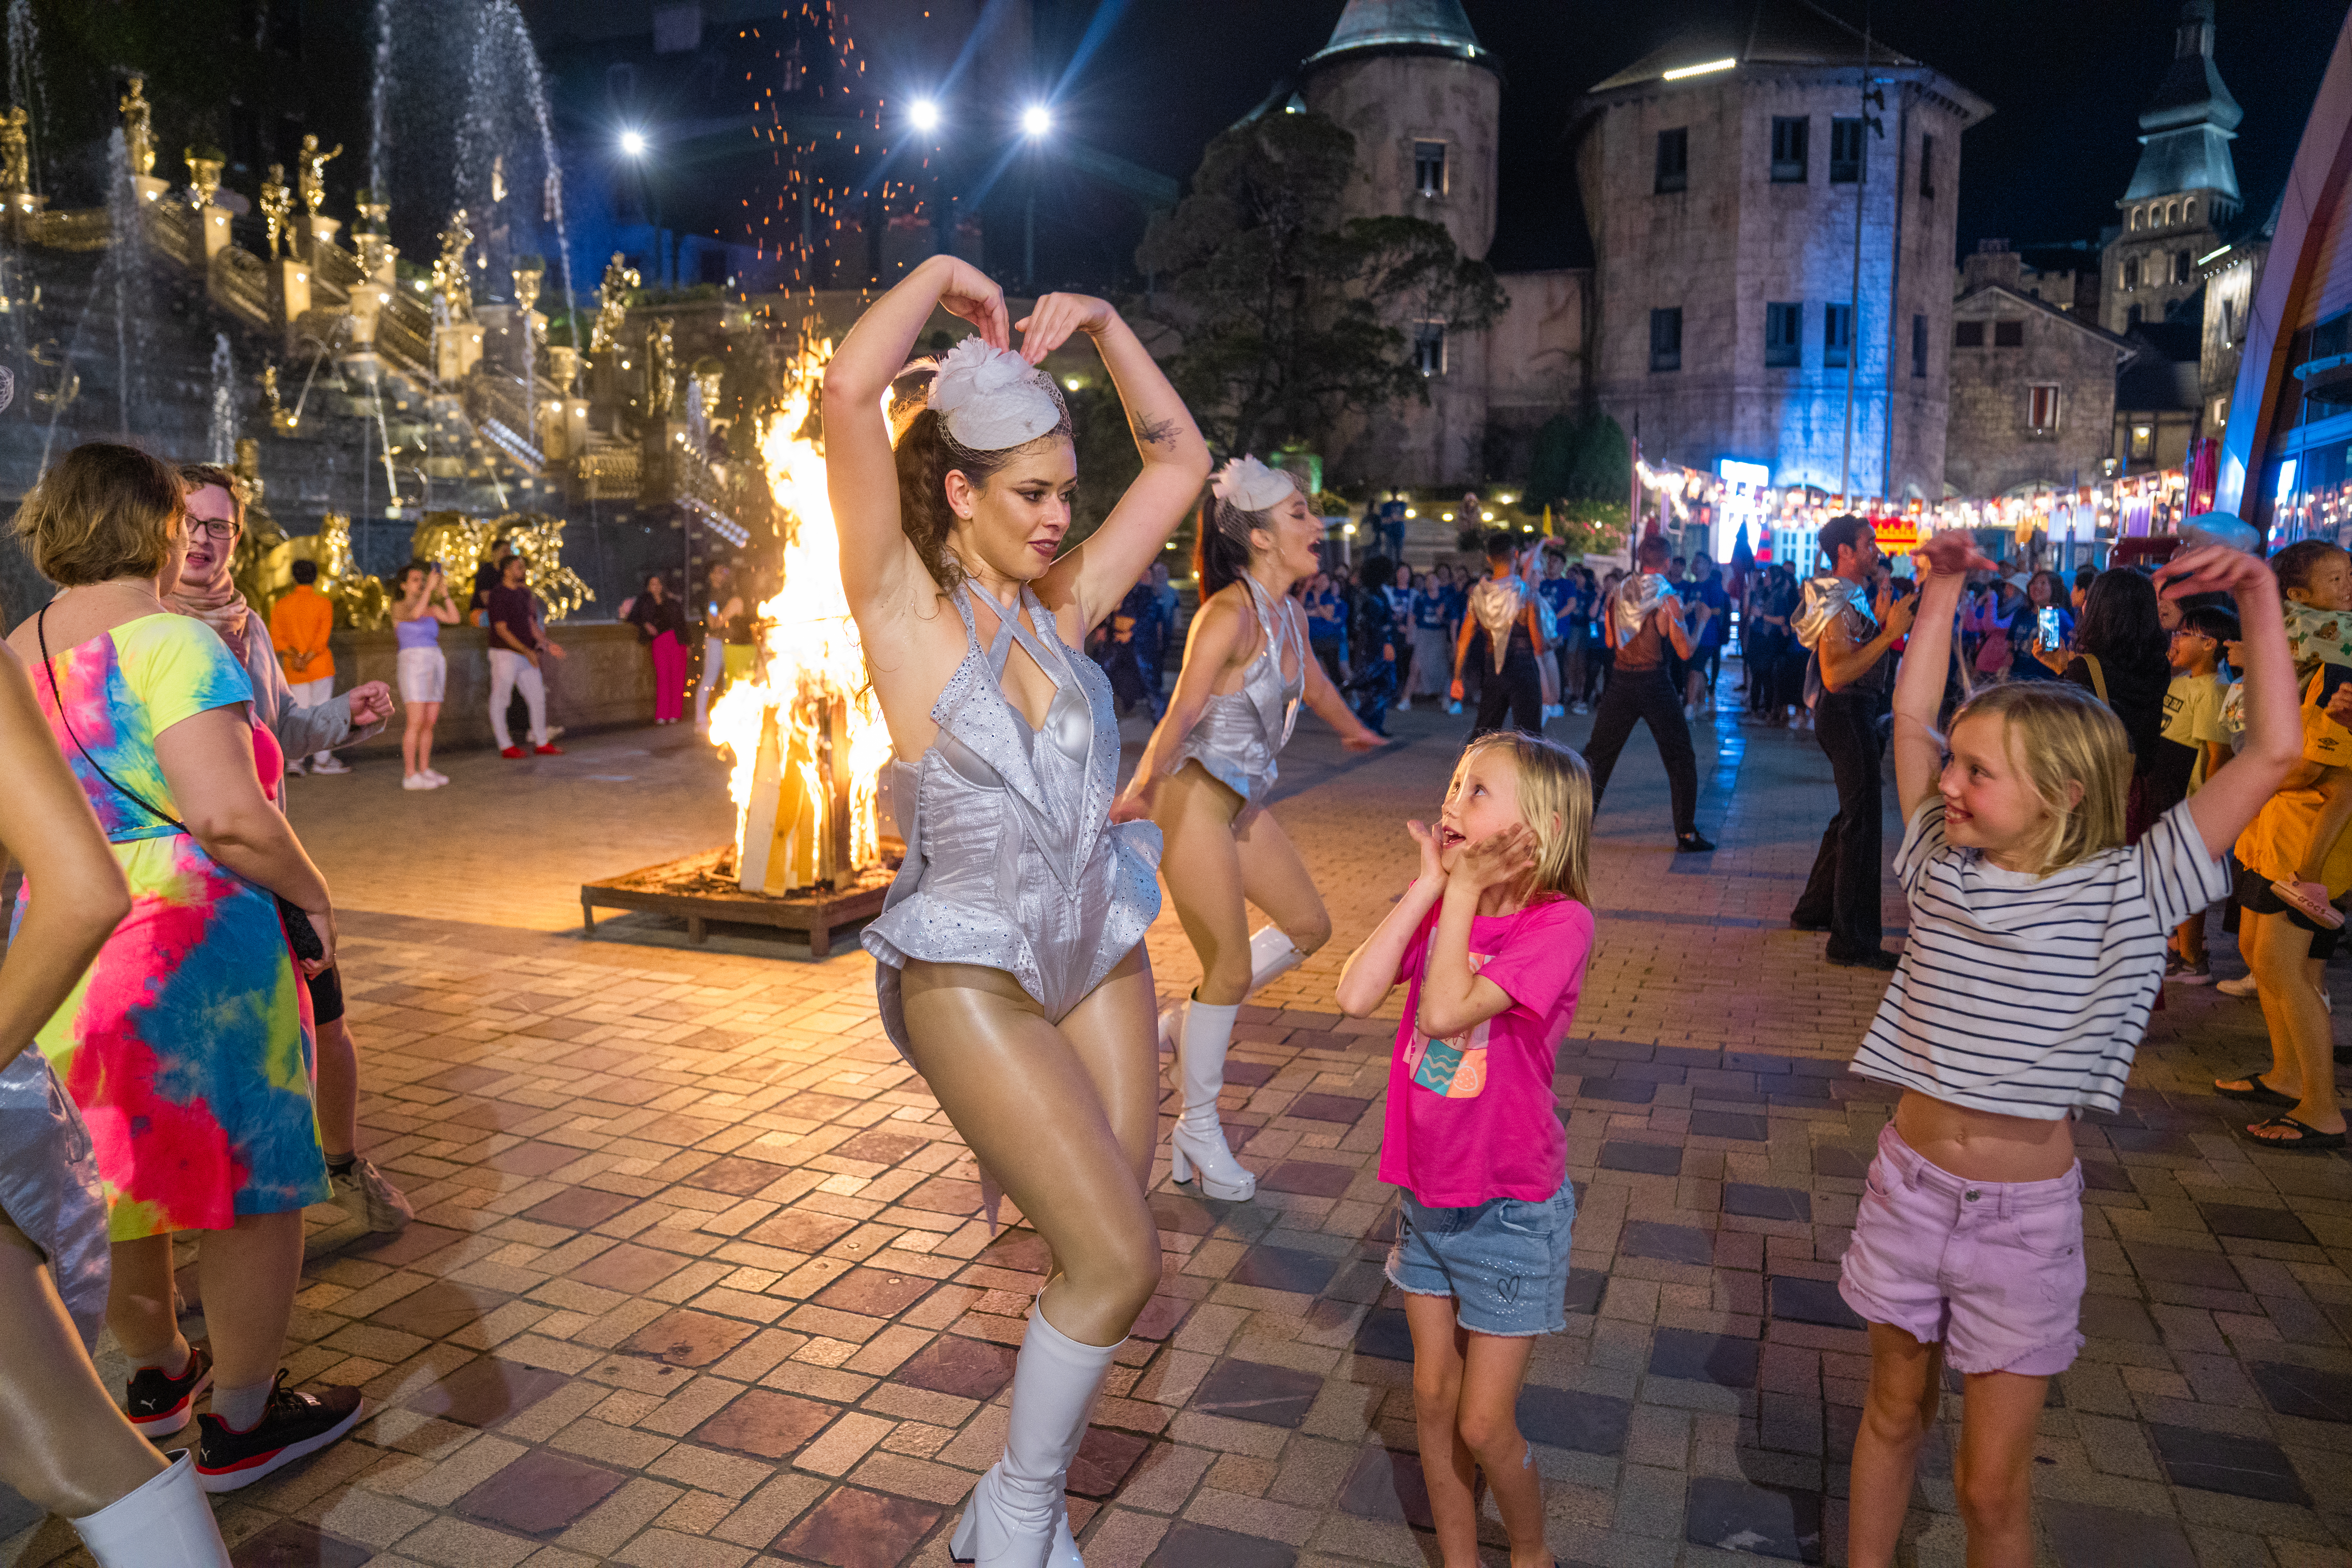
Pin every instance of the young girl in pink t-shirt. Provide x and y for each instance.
(1490, 942)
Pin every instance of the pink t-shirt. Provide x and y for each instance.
(1475, 1116)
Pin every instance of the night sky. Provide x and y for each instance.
(2067, 80)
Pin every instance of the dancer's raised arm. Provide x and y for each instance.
(878, 565)
(1097, 576)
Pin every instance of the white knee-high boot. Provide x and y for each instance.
(1198, 1142)
(166, 1523)
(1017, 1517)
(1271, 953)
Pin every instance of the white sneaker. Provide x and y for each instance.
(418, 781)
(439, 777)
(297, 768)
(1405, 706)
(2240, 987)
(1580, 708)
(331, 764)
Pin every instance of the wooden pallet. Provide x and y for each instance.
(694, 890)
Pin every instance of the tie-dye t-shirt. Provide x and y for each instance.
(188, 1044)
(1473, 1117)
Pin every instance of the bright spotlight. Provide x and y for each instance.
(633, 142)
(924, 115)
(1037, 119)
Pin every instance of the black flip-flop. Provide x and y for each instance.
(2308, 1140)
(2262, 1092)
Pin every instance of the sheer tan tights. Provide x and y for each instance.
(1063, 1116)
(68, 1448)
(1217, 860)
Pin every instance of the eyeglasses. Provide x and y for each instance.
(213, 527)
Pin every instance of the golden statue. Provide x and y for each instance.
(449, 279)
(138, 129)
(612, 304)
(313, 175)
(462, 543)
(276, 204)
(15, 151)
(270, 405)
(661, 371)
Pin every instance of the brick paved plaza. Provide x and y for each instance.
(698, 1277)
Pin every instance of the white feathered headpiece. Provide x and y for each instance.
(1248, 485)
(991, 399)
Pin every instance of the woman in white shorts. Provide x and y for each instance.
(420, 611)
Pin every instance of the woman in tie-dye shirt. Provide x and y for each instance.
(188, 1044)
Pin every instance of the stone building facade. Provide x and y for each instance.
(1409, 79)
(2184, 192)
(1721, 177)
(2032, 386)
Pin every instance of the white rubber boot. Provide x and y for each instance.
(166, 1523)
(1198, 1142)
(1271, 954)
(1018, 1517)
(1172, 1024)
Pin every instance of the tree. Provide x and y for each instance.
(1579, 459)
(1284, 320)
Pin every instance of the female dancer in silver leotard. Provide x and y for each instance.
(1205, 779)
(1011, 967)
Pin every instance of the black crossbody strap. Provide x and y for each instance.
(41, 633)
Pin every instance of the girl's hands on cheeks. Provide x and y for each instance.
(1052, 320)
(1495, 860)
(1432, 870)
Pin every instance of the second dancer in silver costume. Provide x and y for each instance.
(1204, 778)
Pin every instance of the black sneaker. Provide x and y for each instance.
(291, 1426)
(1691, 844)
(158, 1404)
(1878, 958)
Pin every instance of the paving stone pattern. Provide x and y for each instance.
(699, 1276)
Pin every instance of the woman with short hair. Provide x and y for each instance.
(189, 1044)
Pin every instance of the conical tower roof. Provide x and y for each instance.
(1403, 26)
(2190, 123)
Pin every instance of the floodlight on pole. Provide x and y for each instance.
(633, 142)
(923, 114)
(1036, 120)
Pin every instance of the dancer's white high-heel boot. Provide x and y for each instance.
(1271, 953)
(1018, 1517)
(166, 1523)
(1198, 1142)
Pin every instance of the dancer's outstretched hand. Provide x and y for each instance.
(1953, 552)
(1366, 740)
(1134, 802)
(2212, 568)
(1052, 320)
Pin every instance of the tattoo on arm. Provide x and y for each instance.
(1153, 432)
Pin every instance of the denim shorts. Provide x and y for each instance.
(1504, 1261)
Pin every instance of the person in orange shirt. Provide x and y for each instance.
(299, 624)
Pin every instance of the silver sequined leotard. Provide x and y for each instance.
(1239, 736)
(1011, 860)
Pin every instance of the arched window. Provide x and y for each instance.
(2188, 210)
(2131, 272)
(2137, 214)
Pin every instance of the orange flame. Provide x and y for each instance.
(812, 656)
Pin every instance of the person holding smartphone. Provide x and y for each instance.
(2040, 628)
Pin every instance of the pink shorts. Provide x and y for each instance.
(1994, 1269)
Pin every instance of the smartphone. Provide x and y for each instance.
(2045, 631)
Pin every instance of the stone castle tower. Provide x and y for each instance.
(2184, 194)
(1410, 79)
